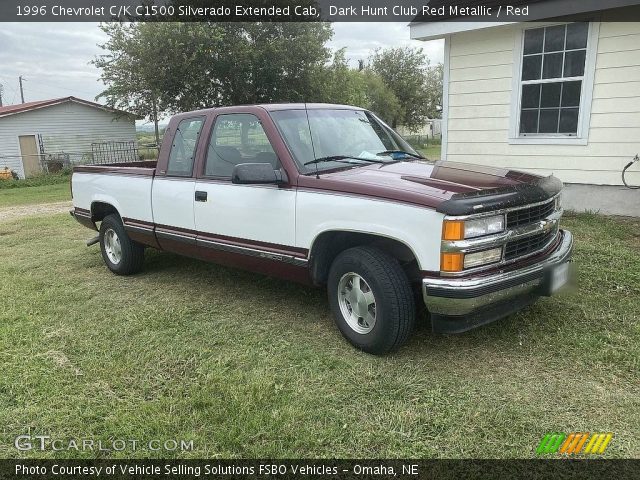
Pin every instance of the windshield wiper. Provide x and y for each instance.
(341, 158)
(409, 154)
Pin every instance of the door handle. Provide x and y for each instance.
(201, 196)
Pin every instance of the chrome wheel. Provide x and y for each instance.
(112, 246)
(357, 303)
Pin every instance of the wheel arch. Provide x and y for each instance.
(101, 208)
(327, 245)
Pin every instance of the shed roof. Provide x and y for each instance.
(26, 107)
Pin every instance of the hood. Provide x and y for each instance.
(434, 184)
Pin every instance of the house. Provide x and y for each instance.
(35, 132)
(559, 95)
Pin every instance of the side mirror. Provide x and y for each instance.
(257, 173)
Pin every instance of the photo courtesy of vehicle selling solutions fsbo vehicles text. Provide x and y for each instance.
(323, 238)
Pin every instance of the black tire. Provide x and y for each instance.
(394, 303)
(131, 255)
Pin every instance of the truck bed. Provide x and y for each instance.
(125, 186)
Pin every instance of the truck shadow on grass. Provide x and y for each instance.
(287, 299)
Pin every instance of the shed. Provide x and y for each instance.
(33, 133)
(558, 95)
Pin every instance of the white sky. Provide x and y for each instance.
(54, 57)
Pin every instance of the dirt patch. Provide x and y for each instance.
(9, 213)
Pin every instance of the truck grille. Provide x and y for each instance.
(526, 246)
(528, 215)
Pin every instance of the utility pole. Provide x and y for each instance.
(20, 79)
(155, 120)
(1, 92)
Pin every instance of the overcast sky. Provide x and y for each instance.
(54, 57)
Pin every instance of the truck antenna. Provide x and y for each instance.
(313, 149)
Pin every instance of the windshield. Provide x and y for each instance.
(327, 133)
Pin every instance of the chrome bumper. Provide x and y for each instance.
(456, 297)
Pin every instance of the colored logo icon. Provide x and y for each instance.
(574, 443)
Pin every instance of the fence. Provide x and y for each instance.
(101, 153)
(422, 141)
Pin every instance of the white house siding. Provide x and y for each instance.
(68, 127)
(481, 69)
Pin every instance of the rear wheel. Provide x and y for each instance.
(122, 255)
(371, 299)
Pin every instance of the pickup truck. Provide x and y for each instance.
(331, 196)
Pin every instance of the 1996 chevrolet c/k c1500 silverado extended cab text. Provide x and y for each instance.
(331, 196)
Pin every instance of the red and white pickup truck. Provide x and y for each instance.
(331, 196)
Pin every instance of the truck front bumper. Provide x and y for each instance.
(460, 304)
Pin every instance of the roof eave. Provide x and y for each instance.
(426, 31)
(59, 101)
(537, 12)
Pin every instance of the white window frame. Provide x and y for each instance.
(586, 94)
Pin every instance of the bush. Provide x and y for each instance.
(44, 179)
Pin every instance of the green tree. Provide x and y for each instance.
(141, 62)
(170, 67)
(405, 71)
(380, 99)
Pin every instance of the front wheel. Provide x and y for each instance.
(122, 255)
(371, 300)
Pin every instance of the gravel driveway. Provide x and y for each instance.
(9, 213)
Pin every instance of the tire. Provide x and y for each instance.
(122, 255)
(387, 325)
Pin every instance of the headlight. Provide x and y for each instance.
(483, 226)
(477, 227)
(482, 258)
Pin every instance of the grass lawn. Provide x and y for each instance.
(247, 366)
(432, 152)
(34, 195)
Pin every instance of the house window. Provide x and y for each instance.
(552, 80)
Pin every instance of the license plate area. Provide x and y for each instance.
(557, 277)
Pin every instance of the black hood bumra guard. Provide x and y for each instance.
(500, 198)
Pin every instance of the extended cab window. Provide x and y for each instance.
(183, 150)
(237, 138)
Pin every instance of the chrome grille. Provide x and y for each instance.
(528, 245)
(528, 215)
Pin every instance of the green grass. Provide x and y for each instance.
(34, 195)
(37, 181)
(247, 366)
(432, 152)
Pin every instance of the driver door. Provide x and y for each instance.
(258, 217)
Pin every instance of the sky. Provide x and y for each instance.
(54, 57)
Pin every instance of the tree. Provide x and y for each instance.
(137, 79)
(380, 99)
(170, 67)
(405, 71)
(341, 84)
(433, 79)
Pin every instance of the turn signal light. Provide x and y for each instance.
(453, 230)
(451, 262)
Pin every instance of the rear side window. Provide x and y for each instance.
(183, 150)
(237, 138)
